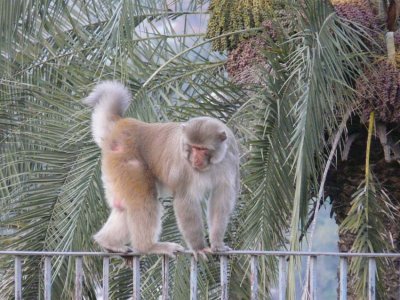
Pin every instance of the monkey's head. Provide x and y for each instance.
(204, 142)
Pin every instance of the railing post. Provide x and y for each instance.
(313, 278)
(78, 277)
(254, 277)
(398, 278)
(282, 278)
(106, 271)
(17, 278)
(224, 277)
(193, 278)
(136, 277)
(165, 277)
(47, 278)
(343, 279)
(371, 279)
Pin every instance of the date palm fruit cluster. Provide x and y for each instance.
(379, 91)
(358, 11)
(235, 15)
(245, 50)
(242, 61)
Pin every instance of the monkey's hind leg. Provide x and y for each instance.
(144, 223)
(114, 234)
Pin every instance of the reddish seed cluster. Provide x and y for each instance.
(380, 91)
(245, 58)
(269, 29)
(359, 12)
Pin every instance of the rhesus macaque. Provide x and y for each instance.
(194, 160)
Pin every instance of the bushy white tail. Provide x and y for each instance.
(109, 100)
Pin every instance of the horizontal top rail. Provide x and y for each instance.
(232, 252)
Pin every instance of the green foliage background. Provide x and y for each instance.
(52, 54)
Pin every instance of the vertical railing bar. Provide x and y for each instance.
(224, 277)
(78, 277)
(106, 271)
(398, 282)
(18, 278)
(47, 277)
(371, 278)
(193, 278)
(254, 277)
(343, 279)
(136, 277)
(165, 277)
(282, 278)
(313, 278)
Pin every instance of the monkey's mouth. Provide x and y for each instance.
(201, 168)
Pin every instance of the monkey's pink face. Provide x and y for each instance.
(199, 157)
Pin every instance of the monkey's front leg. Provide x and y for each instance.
(190, 222)
(220, 207)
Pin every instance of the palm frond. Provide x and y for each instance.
(370, 206)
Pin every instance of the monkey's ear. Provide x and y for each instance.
(183, 125)
(222, 136)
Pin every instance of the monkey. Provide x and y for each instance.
(194, 160)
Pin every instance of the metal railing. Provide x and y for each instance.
(224, 261)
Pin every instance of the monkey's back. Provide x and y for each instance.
(160, 148)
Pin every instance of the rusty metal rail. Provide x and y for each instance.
(224, 263)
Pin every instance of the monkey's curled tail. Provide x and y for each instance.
(109, 99)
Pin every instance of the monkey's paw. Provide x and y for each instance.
(202, 253)
(120, 249)
(173, 248)
(220, 248)
(167, 248)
